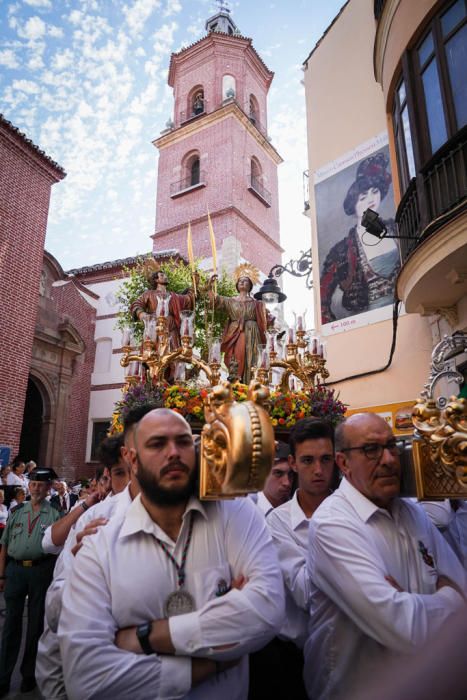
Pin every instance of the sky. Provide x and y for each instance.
(86, 80)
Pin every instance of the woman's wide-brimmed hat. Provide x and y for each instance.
(371, 172)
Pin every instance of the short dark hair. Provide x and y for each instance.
(108, 452)
(310, 429)
(135, 414)
(16, 462)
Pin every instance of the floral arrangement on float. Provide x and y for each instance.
(284, 408)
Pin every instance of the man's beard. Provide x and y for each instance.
(160, 496)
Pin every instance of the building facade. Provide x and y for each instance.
(26, 177)
(420, 63)
(352, 167)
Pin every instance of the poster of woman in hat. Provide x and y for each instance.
(357, 271)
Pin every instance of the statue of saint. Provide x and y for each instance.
(147, 304)
(246, 327)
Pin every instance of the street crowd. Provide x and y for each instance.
(325, 585)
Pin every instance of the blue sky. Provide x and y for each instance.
(86, 80)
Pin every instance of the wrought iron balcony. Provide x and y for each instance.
(258, 189)
(436, 193)
(187, 184)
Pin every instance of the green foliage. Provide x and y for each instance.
(208, 323)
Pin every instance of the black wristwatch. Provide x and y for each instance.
(142, 632)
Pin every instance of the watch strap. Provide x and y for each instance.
(142, 632)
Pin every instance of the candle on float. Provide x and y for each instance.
(215, 352)
(322, 350)
(264, 359)
(272, 344)
(291, 335)
(314, 346)
(299, 323)
(126, 337)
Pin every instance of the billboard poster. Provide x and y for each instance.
(357, 271)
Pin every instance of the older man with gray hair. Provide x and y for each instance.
(384, 581)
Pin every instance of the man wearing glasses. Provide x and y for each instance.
(384, 581)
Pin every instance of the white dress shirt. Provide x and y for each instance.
(289, 529)
(49, 672)
(263, 504)
(14, 479)
(122, 577)
(357, 618)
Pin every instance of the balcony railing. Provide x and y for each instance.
(437, 190)
(187, 184)
(258, 189)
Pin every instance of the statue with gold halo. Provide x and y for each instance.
(247, 322)
(151, 301)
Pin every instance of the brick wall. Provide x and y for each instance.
(26, 177)
(72, 306)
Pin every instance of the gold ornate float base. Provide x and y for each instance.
(237, 443)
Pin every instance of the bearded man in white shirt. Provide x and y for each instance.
(149, 610)
(384, 581)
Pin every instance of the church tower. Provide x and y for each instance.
(216, 153)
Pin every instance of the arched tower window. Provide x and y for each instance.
(194, 172)
(253, 110)
(256, 171)
(196, 103)
(191, 169)
(228, 87)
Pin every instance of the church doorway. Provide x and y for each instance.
(30, 441)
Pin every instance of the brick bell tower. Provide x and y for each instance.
(216, 153)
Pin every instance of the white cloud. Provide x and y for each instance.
(34, 29)
(138, 13)
(46, 4)
(55, 32)
(75, 17)
(172, 7)
(9, 59)
(26, 86)
(36, 62)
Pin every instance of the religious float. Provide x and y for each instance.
(204, 347)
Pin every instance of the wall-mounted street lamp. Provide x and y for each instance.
(374, 224)
(270, 292)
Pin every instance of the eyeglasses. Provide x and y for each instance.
(374, 450)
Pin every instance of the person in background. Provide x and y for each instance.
(110, 455)
(4, 473)
(16, 476)
(3, 511)
(63, 500)
(19, 497)
(312, 459)
(27, 574)
(30, 466)
(278, 485)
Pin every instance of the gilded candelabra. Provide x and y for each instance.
(156, 355)
(302, 359)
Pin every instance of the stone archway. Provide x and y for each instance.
(37, 421)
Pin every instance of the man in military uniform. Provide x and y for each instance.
(28, 573)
